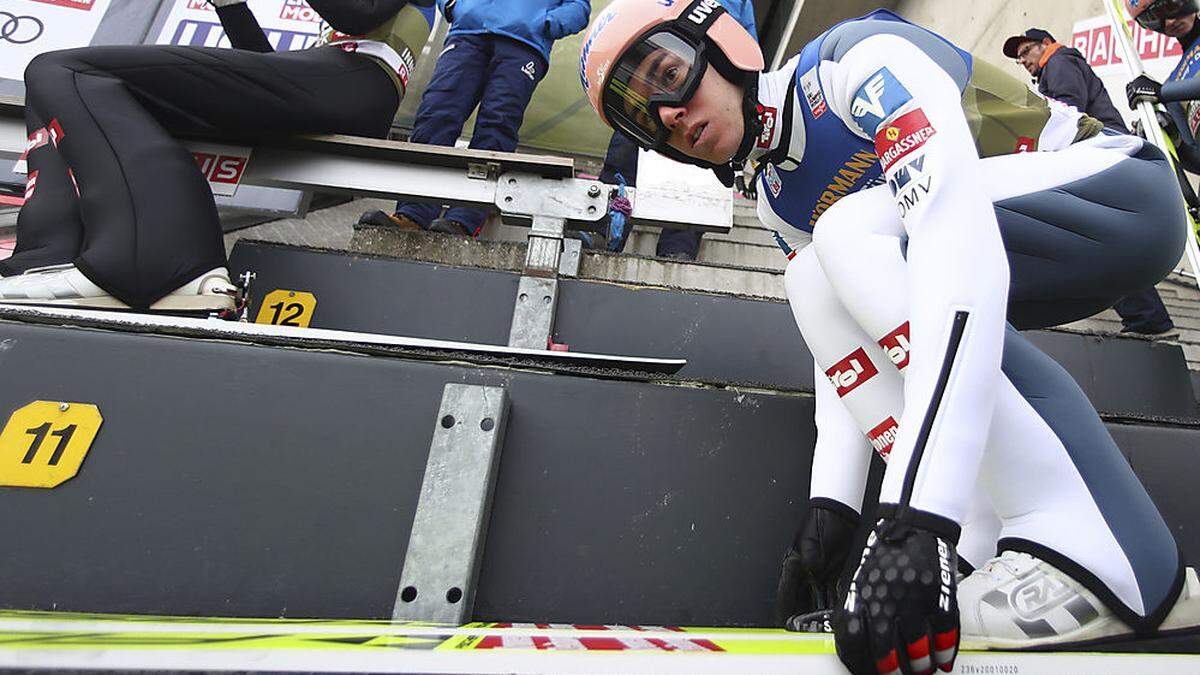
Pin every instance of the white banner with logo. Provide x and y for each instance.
(1094, 38)
(30, 27)
(289, 24)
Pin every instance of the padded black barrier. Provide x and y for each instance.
(725, 339)
(238, 480)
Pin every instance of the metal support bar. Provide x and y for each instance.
(537, 292)
(533, 314)
(545, 247)
(441, 565)
(568, 266)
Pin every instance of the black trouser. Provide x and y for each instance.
(1144, 312)
(144, 222)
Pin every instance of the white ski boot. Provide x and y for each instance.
(65, 286)
(1017, 601)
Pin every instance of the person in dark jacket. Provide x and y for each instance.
(1063, 74)
(495, 55)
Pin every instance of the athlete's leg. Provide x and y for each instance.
(1088, 469)
(859, 400)
(49, 229)
(513, 73)
(456, 88)
(149, 217)
(866, 397)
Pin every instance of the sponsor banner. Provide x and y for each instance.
(851, 372)
(883, 437)
(289, 24)
(769, 117)
(774, 182)
(902, 137)
(32, 27)
(30, 185)
(810, 84)
(222, 165)
(896, 344)
(1095, 39)
(879, 98)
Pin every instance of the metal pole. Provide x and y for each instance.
(1133, 61)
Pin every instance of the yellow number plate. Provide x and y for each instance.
(287, 308)
(44, 443)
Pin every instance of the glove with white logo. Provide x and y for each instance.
(1144, 88)
(811, 568)
(900, 613)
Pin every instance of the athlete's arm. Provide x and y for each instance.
(957, 267)
(1186, 147)
(570, 17)
(889, 90)
(241, 26)
(1184, 90)
(357, 17)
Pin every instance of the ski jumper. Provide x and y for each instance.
(113, 191)
(951, 207)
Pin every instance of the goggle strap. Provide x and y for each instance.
(707, 11)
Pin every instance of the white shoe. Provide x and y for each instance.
(1017, 601)
(65, 286)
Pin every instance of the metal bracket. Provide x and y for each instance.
(545, 247)
(441, 565)
(565, 198)
(482, 171)
(568, 264)
(533, 314)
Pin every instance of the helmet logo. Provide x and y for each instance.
(601, 23)
(893, 134)
(702, 11)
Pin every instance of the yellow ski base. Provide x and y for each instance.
(35, 640)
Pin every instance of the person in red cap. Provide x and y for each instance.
(949, 206)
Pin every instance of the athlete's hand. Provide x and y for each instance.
(808, 581)
(1144, 88)
(1165, 122)
(900, 613)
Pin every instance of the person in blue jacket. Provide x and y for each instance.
(622, 159)
(494, 57)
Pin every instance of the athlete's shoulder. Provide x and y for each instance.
(845, 37)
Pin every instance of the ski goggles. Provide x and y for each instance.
(661, 68)
(1156, 14)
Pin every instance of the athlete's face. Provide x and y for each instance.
(710, 126)
(1180, 26)
(1029, 55)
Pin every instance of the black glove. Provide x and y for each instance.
(1165, 121)
(808, 581)
(1144, 88)
(900, 613)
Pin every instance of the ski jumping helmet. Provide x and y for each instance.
(691, 33)
(1153, 14)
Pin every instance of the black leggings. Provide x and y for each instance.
(144, 221)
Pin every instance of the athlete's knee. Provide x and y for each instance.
(808, 289)
(838, 239)
(48, 76)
